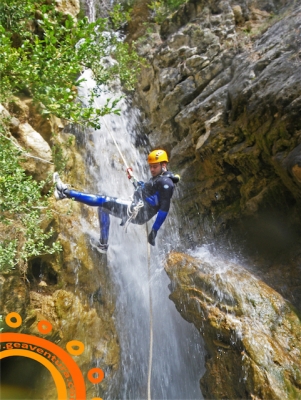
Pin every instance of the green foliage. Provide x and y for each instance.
(8, 251)
(119, 16)
(162, 8)
(58, 154)
(43, 53)
(22, 211)
(15, 15)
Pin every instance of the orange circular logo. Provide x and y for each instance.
(67, 376)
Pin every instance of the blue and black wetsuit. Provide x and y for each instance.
(155, 194)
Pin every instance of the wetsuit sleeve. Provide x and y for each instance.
(161, 216)
(165, 193)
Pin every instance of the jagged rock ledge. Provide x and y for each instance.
(252, 334)
(222, 94)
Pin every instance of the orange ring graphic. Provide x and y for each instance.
(75, 343)
(97, 379)
(8, 320)
(42, 325)
(73, 369)
(56, 375)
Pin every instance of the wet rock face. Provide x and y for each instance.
(252, 334)
(32, 138)
(72, 290)
(222, 95)
(71, 7)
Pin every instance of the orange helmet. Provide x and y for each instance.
(157, 156)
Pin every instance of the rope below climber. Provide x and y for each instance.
(149, 199)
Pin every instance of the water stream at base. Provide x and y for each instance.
(178, 352)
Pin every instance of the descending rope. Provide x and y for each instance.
(132, 214)
(150, 357)
(116, 144)
(132, 211)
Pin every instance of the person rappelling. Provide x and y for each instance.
(149, 199)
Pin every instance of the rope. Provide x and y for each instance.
(133, 214)
(150, 357)
(116, 144)
(24, 153)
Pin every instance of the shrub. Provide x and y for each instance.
(42, 54)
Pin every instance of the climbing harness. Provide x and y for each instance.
(132, 212)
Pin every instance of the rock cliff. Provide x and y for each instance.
(72, 290)
(221, 93)
(252, 334)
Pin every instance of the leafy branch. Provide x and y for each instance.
(43, 54)
(23, 210)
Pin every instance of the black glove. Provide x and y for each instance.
(152, 237)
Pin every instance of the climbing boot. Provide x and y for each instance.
(100, 247)
(60, 187)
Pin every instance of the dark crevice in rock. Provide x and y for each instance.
(228, 109)
(146, 88)
(40, 272)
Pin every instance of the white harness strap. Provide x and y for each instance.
(132, 214)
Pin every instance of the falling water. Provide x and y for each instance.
(178, 355)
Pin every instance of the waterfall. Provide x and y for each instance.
(178, 354)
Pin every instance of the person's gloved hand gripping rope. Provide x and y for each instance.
(161, 216)
(163, 195)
